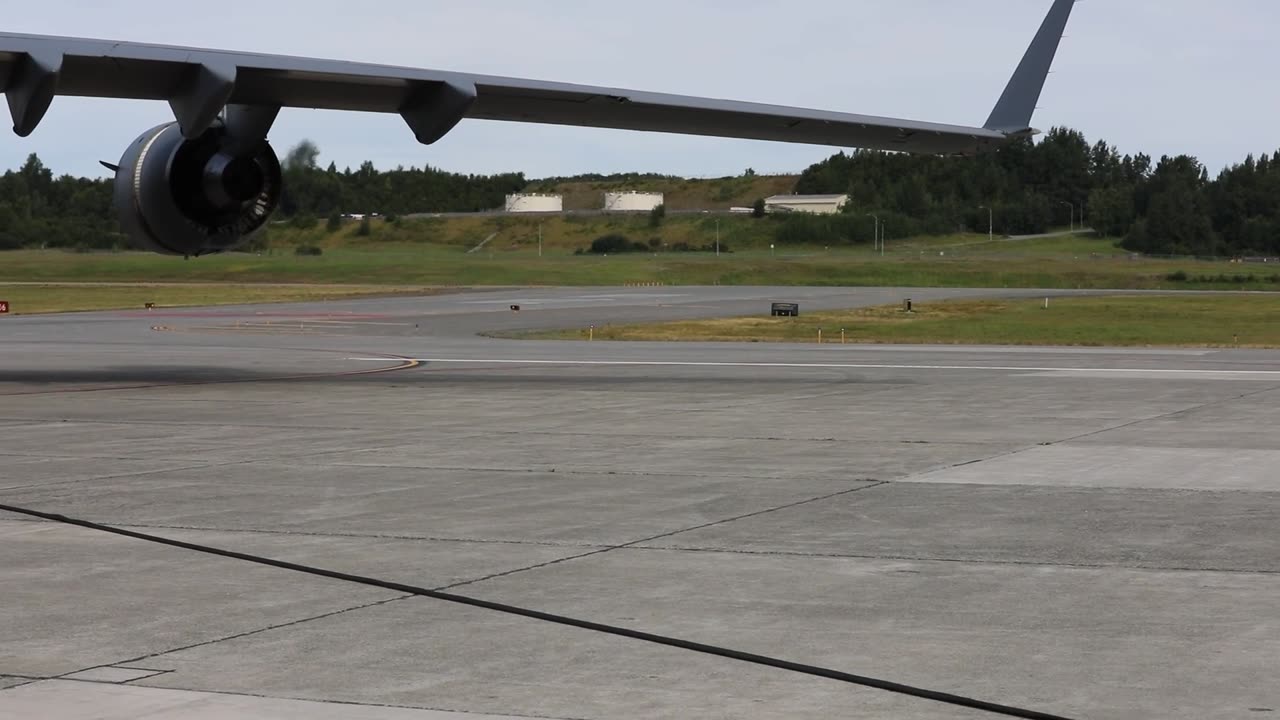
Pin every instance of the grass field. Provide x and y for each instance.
(1053, 263)
(1203, 321)
(432, 253)
(43, 298)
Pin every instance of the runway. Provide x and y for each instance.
(1089, 532)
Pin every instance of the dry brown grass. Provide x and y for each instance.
(1182, 320)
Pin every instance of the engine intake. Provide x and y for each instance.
(194, 197)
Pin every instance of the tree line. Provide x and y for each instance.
(311, 191)
(1170, 206)
(39, 210)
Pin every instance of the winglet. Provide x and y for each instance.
(1012, 115)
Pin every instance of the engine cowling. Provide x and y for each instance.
(194, 197)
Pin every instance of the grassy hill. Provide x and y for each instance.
(508, 233)
(566, 233)
(680, 193)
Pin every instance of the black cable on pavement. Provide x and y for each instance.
(887, 685)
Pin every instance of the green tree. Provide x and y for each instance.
(1111, 210)
(302, 156)
(656, 215)
(1175, 208)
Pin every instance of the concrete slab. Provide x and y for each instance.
(1049, 526)
(75, 599)
(67, 700)
(27, 470)
(572, 507)
(686, 456)
(1123, 466)
(210, 443)
(1000, 632)
(1240, 423)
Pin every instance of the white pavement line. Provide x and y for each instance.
(826, 366)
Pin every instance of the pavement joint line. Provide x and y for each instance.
(153, 673)
(450, 468)
(1092, 433)
(353, 536)
(868, 486)
(331, 701)
(1037, 486)
(669, 436)
(121, 476)
(1173, 413)
(976, 461)
(278, 458)
(829, 366)
(61, 456)
(247, 633)
(570, 471)
(24, 682)
(163, 423)
(956, 561)
(403, 441)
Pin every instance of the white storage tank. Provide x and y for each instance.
(632, 201)
(534, 202)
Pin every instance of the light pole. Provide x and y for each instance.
(991, 223)
(717, 237)
(1071, 223)
(875, 233)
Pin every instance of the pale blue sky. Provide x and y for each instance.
(1156, 76)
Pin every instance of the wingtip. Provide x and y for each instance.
(1012, 114)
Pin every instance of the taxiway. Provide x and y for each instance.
(1090, 532)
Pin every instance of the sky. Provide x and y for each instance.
(1153, 76)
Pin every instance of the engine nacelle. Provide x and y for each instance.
(194, 197)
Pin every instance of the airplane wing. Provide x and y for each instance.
(200, 83)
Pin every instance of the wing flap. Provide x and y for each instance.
(326, 91)
(136, 79)
(624, 110)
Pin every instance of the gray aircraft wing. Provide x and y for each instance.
(199, 84)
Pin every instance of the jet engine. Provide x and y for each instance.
(196, 196)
